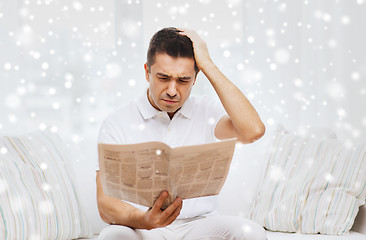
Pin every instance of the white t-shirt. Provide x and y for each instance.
(193, 124)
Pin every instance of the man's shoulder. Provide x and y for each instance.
(123, 111)
(205, 106)
(203, 100)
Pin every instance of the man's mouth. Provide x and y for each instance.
(169, 101)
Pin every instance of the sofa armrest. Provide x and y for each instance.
(360, 221)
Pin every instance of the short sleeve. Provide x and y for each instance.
(109, 133)
(215, 112)
(106, 133)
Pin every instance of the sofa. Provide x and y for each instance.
(47, 187)
(258, 172)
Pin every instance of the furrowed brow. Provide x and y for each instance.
(167, 76)
(163, 75)
(184, 78)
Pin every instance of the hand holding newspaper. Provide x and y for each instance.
(138, 173)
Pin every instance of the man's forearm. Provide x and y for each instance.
(115, 211)
(119, 213)
(243, 115)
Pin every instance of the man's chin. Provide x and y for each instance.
(169, 110)
(169, 107)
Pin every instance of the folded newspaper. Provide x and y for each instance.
(138, 173)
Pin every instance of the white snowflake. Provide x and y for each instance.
(77, 6)
(341, 112)
(68, 84)
(276, 173)
(76, 138)
(45, 66)
(56, 105)
(328, 177)
(54, 129)
(12, 118)
(355, 76)
(345, 20)
(282, 56)
(332, 43)
(42, 126)
(46, 187)
(132, 82)
(114, 70)
(13, 101)
(51, 91)
(247, 229)
(45, 207)
(7, 66)
(270, 121)
(250, 39)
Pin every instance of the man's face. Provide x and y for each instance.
(170, 82)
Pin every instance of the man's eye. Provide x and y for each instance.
(163, 78)
(184, 81)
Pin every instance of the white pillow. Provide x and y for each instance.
(311, 186)
(240, 189)
(246, 172)
(38, 198)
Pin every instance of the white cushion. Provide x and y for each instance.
(38, 197)
(247, 169)
(311, 186)
(240, 189)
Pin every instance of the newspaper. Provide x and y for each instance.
(138, 173)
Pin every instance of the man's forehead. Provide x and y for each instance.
(173, 66)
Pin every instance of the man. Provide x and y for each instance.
(167, 113)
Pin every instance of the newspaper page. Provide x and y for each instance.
(138, 173)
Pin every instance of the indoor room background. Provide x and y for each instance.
(64, 65)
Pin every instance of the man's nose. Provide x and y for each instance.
(172, 89)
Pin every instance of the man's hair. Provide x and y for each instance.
(169, 41)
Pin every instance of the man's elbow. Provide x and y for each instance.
(104, 211)
(101, 211)
(104, 218)
(255, 134)
(260, 131)
(102, 202)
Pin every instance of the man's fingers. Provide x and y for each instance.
(160, 219)
(159, 202)
(189, 33)
(172, 207)
(182, 29)
(174, 215)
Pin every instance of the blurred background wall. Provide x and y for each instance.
(64, 65)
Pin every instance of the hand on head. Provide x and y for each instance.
(200, 50)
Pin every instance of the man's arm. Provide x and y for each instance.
(243, 121)
(115, 211)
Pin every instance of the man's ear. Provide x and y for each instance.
(195, 77)
(146, 72)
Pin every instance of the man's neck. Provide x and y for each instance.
(171, 114)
